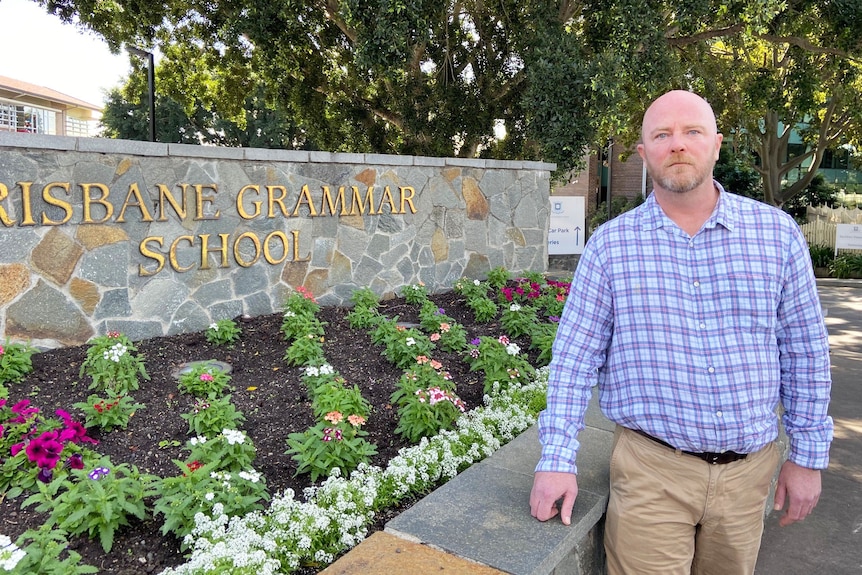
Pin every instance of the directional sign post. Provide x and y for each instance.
(847, 237)
(568, 225)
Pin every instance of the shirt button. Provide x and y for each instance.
(711, 370)
(718, 413)
(696, 284)
(702, 326)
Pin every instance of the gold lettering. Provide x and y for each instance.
(65, 206)
(241, 209)
(148, 253)
(339, 199)
(296, 258)
(173, 253)
(387, 193)
(26, 206)
(305, 198)
(236, 254)
(408, 198)
(273, 199)
(140, 204)
(103, 200)
(202, 199)
(267, 255)
(205, 264)
(165, 194)
(357, 201)
(4, 217)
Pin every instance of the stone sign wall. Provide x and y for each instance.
(154, 239)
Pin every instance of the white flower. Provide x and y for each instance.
(513, 349)
(515, 307)
(214, 326)
(476, 282)
(233, 436)
(10, 554)
(199, 440)
(253, 476)
(410, 341)
(209, 496)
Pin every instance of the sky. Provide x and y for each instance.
(40, 49)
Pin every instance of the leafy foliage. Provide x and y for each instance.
(113, 364)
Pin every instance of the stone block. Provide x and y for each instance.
(14, 279)
(56, 256)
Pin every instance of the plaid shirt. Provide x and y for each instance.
(693, 339)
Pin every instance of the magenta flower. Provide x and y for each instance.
(23, 411)
(75, 461)
(45, 450)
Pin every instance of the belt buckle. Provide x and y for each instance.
(714, 458)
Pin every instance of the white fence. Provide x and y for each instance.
(820, 229)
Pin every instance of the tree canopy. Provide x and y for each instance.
(439, 77)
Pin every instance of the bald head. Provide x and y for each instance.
(672, 104)
(680, 142)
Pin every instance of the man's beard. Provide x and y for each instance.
(683, 182)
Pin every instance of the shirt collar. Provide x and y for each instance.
(724, 214)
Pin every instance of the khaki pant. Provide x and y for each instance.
(674, 514)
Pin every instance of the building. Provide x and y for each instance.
(26, 107)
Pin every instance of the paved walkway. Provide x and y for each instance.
(830, 540)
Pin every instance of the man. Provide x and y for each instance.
(695, 313)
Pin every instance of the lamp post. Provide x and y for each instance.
(151, 82)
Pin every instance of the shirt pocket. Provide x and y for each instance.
(747, 303)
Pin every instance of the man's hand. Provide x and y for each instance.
(548, 488)
(800, 486)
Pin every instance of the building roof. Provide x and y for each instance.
(18, 88)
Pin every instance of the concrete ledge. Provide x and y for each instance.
(483, 514)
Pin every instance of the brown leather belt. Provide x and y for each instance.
(708, 456)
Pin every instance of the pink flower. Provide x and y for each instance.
(206, 377)
(444, 327)
(2, 351)
(434, 336)
(503, 339)
(436, 364)
(420, 359)
(333, 417)
(355, 420)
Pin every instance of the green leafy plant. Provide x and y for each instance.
(542, 339)
(15, 363)
(204, 380)
(415, 294)
(108, 413)
(112, 363)
(846, 266)
(364, 313)
(484, 308)
(498, 277)
(47, 552)
(821, 255)
(518, 319)
(209, 416)
(426, 411)
(223, 332)
(98, 500)
(336, 395)
(445, 332)
(230, 450)
(199, 488)
(305, 350)
(500, 360)
(401, 344)
(335, 442)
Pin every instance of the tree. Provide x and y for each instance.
(770, 69)
(423, 77)
(126, 115)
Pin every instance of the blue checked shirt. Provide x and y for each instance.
(693, 340)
